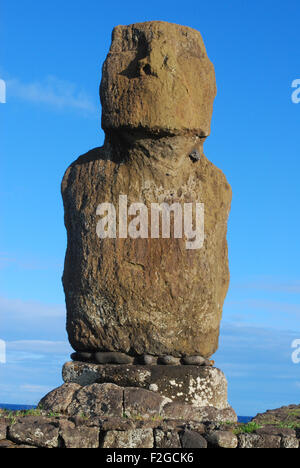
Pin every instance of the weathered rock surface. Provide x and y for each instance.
(7, 444)
(166, 439)
(194, 385)
(148, 295)
(138, 438)
(289, 443)
(109, 401)
(206, 413)
(46, 430)
(59, 399)
(222, 439)
(142, 403)
(288, 436)
(195, 361)
(3, 430)
(102, 400)
(275, 430)
(40, 432)
(168, 361)
(247, 441)
(126, 376)
(113, 358)
(157, 77)
(79, 437)
(148, 360)
(192, 439)
(287, 415)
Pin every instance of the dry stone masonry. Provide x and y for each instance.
(140, 426)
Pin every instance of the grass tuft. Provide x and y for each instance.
(248, 428)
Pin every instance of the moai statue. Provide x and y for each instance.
(134, 294)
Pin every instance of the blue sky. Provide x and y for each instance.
(51, 58)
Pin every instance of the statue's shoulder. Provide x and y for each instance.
(92, 165)
(95, 154)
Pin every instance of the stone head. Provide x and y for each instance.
(157, 78)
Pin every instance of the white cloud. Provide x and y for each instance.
(31, 320)
(39, 346)
(14, 308)
(53, 92)
(258, 365)
(256, 351)
(35, 352)
(269, 284)
(23, 394)
(35, 388)
(265, 305)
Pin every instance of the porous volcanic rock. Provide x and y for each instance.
(192, 439)
(3, 430)
(192, 385)
(79, 437)
(157, 77)
(286, 415)
(246, 441)
(148, 295)
(167, 439)
(138, 438)
(35, 431)
(222, 439)
(59, 399)
(100, 400)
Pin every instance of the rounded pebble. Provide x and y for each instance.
(82, 356)
(112, 358)
(149, 360)
(194, 361)
(169, 361)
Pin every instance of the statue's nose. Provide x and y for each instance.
(146, 66)
(150, 64)
(160, 56)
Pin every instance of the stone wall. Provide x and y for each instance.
(48, 430)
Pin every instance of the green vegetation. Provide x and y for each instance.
(137, 417)
(294, 413)
(289, 418)
(248, 428)
(12, 416)
(140, 417)
(157, 417)
(31, 412)
(289, 424)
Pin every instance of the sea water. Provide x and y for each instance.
(16, 407)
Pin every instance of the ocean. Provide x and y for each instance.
(241, 419)
(244, 419)
(16, 407)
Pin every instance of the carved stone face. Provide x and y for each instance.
(157, 78)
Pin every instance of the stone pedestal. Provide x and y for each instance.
(191, 385)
